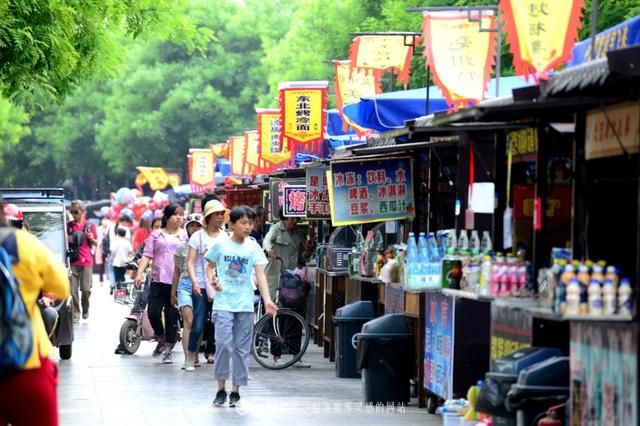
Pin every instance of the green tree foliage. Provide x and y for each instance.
(49, 47)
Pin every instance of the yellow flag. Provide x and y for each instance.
(381, 53)
(237, 154)
(459, 55)
(220, 149)
(272, 150)
(202, 170)
(156, 177)
(541, 33)
(351, 84)
(303, 105)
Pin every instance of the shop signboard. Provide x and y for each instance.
(606, 133)
(366, 191)
(294, 204)
(604, 370)
(243, 197)
(511, 330)
(276, 193)
(317, 193)
(524, 144)
(558, 202)
(438, 344)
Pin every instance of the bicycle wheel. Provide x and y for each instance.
(280, 341)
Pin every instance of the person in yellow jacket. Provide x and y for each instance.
(29, 396)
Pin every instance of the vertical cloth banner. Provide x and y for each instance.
(541, 33)
(156, 177)
(273, 152)
(201, 175)
(459, 55)
(253, 152)
(303, 107)
(237, 154)
(379, 53)
(351, 84)
(220, 150)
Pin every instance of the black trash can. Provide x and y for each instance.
(348, 321)
(386, 359)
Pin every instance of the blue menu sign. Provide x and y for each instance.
(438, 344)
(365, 191)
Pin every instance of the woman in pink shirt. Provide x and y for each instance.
(160, 247)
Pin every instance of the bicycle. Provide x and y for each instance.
(281, 341)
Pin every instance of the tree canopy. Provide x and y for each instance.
(90, 90)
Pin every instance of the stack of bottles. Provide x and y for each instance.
(590, 289)
(423, 261)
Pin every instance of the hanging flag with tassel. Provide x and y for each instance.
(379, 53)
(351, 84)
(541, 33)
(273, 152)
(303, 109)
(459, 56)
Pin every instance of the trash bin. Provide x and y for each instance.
(497, 384)
(386, 359)
(348, 321)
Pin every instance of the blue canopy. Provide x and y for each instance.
(389, 111)
(336, 135)
(619, 36)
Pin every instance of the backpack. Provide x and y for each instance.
(293, 290)
(76, 241)
(106, 244)
(16, 334)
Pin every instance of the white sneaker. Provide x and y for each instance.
(302, 364)
(167, 358)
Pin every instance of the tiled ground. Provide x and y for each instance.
(99, 387)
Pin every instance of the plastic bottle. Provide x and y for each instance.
(560, 298)
(485, 244)
(423, 255)
(412, 258)
(625, 302)
(522, 276)
(463, 241)
(510, 276)
(609, 301)
(567, 274)
(496, 275)
(612, 274)
(573, 297)
(359, 241)
(584, 278)
(474, 242)
(452, 242)
(485, 275)
(432, 245)
(597, 274)
(595, 297)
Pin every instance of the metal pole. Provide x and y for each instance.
(428, 78)
(499, 53)
(594, 27)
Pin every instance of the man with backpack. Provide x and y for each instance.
(82, 235)
(28, 378)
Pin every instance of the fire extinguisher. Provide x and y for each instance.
(551, 417)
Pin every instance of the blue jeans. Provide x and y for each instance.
(199, 307)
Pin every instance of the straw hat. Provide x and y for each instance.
(211, 207)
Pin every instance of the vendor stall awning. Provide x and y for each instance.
(389, 111)
(619, 36)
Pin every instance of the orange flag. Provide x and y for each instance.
(459, 55)
(541, 33)
(273, 151)
(202, 173)
(237, 154)
(380, 53)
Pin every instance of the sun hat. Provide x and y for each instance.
(211, 207)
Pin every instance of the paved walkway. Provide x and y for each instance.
(99, 387)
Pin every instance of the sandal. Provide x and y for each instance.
(210, 359)
(196, 363)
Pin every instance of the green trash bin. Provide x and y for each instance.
(386, 359)
(348, 321)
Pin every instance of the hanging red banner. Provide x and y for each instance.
(379, 53)
(541, 33)
(273, 152)
(202, 172)
(351, 84)
(459, 55)
(303, 109)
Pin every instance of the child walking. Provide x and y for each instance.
(229, 270)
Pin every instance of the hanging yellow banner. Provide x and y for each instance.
(378, 53)
(253, 147)
(272, 150)
(220, 150)
(459, 55)
(303, 108)
(541, 33)
(237, 154)
(351, 84)
(156, 177)
(202, 175)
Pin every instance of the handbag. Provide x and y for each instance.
(293, 290)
